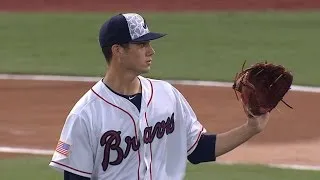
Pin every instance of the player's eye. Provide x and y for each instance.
(144, 44)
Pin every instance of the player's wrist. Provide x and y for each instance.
(252, 129)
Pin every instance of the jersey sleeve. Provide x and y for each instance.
(194, 128)
(74, 152)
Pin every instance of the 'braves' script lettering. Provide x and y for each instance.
(111, 140)
(158, 130)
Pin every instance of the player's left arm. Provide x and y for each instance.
(229, 140)
(204, 147)
(211, 146)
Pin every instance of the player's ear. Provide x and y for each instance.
(116, 49)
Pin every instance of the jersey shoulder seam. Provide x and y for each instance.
(92, 99)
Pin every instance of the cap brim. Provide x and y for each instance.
(148, 37)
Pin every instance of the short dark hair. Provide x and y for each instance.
(107, 51)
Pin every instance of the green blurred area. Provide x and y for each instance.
(36, 168)
(206, 46)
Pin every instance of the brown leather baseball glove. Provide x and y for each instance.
(261, 87)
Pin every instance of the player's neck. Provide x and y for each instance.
(122, 82)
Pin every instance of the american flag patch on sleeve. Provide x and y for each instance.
(63, 148)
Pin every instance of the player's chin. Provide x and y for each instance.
(145, 69)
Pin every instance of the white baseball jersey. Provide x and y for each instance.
(106, 137)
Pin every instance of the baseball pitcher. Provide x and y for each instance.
(131, 127)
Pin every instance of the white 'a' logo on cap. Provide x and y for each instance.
(137, 25)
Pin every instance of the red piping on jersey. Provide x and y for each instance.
(197, 139)
(71, 168)
(135, 128)
(151, 92)
(145, 115)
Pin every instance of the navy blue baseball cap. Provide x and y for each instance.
(126, 28)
